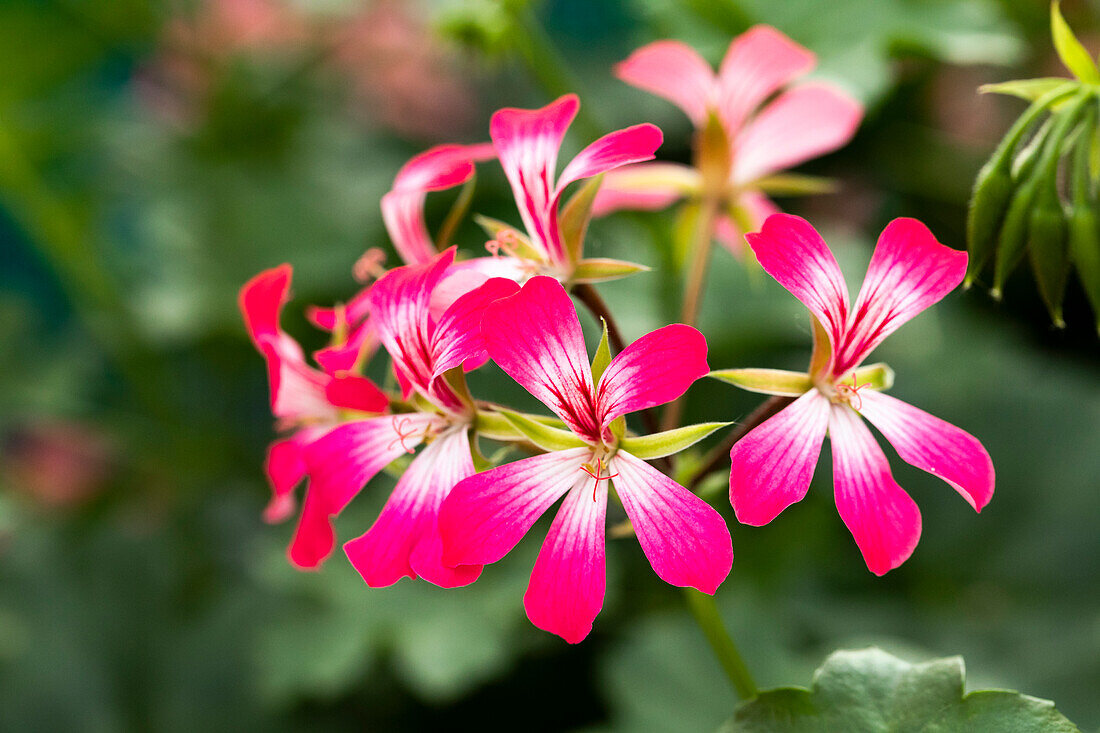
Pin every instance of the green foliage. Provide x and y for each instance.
(870, 691)
(669, 442)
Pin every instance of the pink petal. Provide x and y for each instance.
(757, 207)
(771, 467)
(297, 390)
(354, 311)
(285, 467)
(340, 463)
(758, 63)
(655, 369)
(803, 123)
(791, 251)
(485, 515)
(360, 346)
(467, 275)
(674, 71)
(527, 143)
(645, 186)
(882, 518)
(686, 540)
(909, 272)
(438, 168)
(352, 392)
(261, 302)
(622, 147)
(404, 540)
(536, 338)
(930, 444)
(458, 332)
(567, 584)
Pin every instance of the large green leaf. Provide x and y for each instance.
(870, 691)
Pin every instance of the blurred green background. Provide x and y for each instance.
(153, 156)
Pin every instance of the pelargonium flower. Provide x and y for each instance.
(536, 338)
(762, 136)
(527, 143)
(404, 541)
(773, 464)
(305, 401)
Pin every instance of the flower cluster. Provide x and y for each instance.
(437, 317)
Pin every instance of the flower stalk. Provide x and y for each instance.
(705, 612)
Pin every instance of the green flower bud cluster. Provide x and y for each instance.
(1037, 194)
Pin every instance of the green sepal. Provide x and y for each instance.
(713, 155)
(796, 184)
(494, 228)
(575, 215)
(1070, 50)
(618, 427)
(823, 349)
(659, 445)
(455, 378)
(766, 381)
(603, 269)
(1029, 89)
(602, 357)
(481, 463)
(1084, 252)
(683, 228)
(988, 203)
(1047, 248)
(878, 377)
(492, 424)
(542, 435)
(458, 210)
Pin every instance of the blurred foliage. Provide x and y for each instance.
(139, 588)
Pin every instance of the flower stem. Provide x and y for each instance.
(696, 283)
(705, 611)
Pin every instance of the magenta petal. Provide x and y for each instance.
(685, 539)
(909, 272)
(404, 541)
(757, 207)
(360, 346)
(758, 63)
(771, 467)
(567, 584)
(792, 252)
(314, 537)
(655, 369)
(803, 123)
(933, 445)
(882, 518)
(403, 215)
(644, 186)
(672, 70)
(629, 145)
(458, 332)
(261, 301)
(285, 467)
(536, 338)
(297, 390)
(352, 392)
(486, 514)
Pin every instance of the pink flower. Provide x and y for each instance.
(305, 401)
(404, 541)
(536, 338)
(772, 465)
(762, 137)
(527, 143)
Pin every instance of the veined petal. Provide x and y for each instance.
(340, 463)
(645, 186)
(803, 123)
(485, 515)
(655, 369)
(568, 582)
(458, 332)
(756, 208)
(882, 518)
(527, 143)
(403, 215)
(771, 467)
(672, 70)
(297, 390)
(630, 145)
(791, 251)
(536, 338)
(685, 539)
(909, 271)
(758, 62)
(933, 445)
(467, 275)
(404, 540)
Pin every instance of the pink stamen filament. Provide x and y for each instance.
(850, 392)
(400, 425)
(599, 469)
(370, 265)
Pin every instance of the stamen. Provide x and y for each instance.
(851, 391)
(400, 425)
(599, 469)
(370, 265)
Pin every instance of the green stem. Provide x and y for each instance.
(705, 611)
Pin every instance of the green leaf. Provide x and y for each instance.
(575, 216)
(659, 445)
(766, 381)
(602, 357)
(542, 435)
(1070, 50)
(602, 269)
(1029, 89)
(797, 184)
(870, 690)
